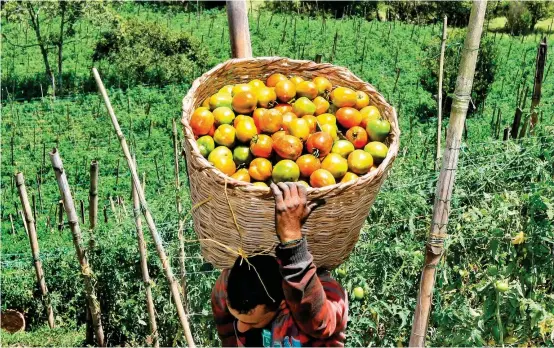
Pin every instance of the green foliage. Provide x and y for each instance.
(431, 11)
(364, 8)
(145, 52)
(519, 18)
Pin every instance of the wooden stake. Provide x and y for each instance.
(35, 251)
(13, 227)
(445, 184)
(239, 32)
(24, 222)
(144, 265)
(515, 124)
(60, 215)
(105, 214)
(439, 95)
(73, 221)
(174, 287)
(537, 87)
(93, 196)
(82, 204)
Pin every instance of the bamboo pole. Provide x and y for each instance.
(144, 265)
(73, 221)
(93, 200)
(60, 215)
(179, 207)
(239, 32)
(439, 95)
(537, 87)
(11, 223)
(445, 184)
(24, 222)
(33, 241)
(174, 287)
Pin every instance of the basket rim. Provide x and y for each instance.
(382, 169)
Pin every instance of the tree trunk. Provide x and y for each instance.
(445, 184)
(63, 7)
(35, 23)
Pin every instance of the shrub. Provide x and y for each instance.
(519, 19)
(335, 9)
(431, 11)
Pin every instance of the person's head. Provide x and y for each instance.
(247, 299)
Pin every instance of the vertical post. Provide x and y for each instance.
(13, 227)
(93, 196)
(174, 287)
(144, 265)
(60, 215)
(35, 251)
(82, 206)
(73, 221)
(239, 32)
(439, 95)
(515, 124)
(179, 213)
(537, 87)
(24, 222)
(445, 184)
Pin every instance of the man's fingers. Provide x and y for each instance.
(277, 194)
(293, 190)
(302, 193)
(285, 189)
(314, 204)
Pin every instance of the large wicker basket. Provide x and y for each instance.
(332, 229)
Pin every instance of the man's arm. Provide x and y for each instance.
(223, 318)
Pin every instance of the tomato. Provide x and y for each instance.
(321, 105)
(358, 293)
(274, 79)
(261, 146)
(260, 169)
(205, 145)
(308, 164)
(266, 97)
(287, 118)
(360, 162)
(377, 150)
(277, 135)
(303, 106)
(242, 87)
(349, 176)
(299, 128)
(306, 89)
(269, 121)
(331, 130)
(212, 130)
(302, 182)
(348, 117)
(373, 168)
(319, 144)
(220, 99)
(240, 118)
(362, 100)
(244, 102)
(288, 147)
(369, 113)
(327, 119)
(312, 122)
(341, 272)
(296, 80)
(343, 148)
(285, 171)
(201, 121)
(285, 91)
(260, 184)
(256, 83)
(241, 175)
(283, 108)
(343, 96)
(222, 158)
(378, 129)
(321, 177)
(227, 89)
(257, 115)
(502, 285)
(225, 135)
(246, 130)
(242, 155)
(206, 103)
(357, 136)
(335, 164)
(323, 85)
(223, 115)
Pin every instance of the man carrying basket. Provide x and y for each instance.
(283, 301)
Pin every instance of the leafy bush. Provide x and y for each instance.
(519, 18)
(335, 9)
(431, 11)
(144, 52)
(484, 71)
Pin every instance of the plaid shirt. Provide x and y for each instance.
(314, 313)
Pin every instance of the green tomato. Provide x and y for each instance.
(378, 129)
(377, 150)
(492, 270)
(205, 145)
(242, 155)
(341, 272)
(343, 148)
(285, 170)
(358, 293)
(502, 285)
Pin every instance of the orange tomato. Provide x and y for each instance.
(222, 158)
(241, 118)
(306, 89)
(319, 144)
(360, 162)
(296, 80)
(257, 115)
(288, 147)
(323, 85)
(362, 100)
(277, 135)
(241, 175)
(321, 105)
(308, 164)
(212, 130)
(283, 108)
(343, 96)
(225, 135)
(246, 130)
(242, 87)
(256, 83)
(206, 103)
(269, 121)
(266, 97)
(260, 169)
(349, 176)
(261, 145)
(244, 102)
(299, 128)
(287, 118)
(335, 164)
(312, 122)
(321, 178)
(285, 91)
(348, 117)
(357, 136)
(201, 121)
(369, 113)
(274, 79)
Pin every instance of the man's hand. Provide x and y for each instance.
(291, 210)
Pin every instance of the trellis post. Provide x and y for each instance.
(239, 32)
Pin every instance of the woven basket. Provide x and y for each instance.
(12, 321)
(332, 230)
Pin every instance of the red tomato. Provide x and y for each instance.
(319, 144)
(269, 121)
(285, 91)
(348, 117)
(288, 147)
(321, 178)
(261, 145)
(277, 135)
(274, 79)
(308, 164)
(201, 121)
(357, 136)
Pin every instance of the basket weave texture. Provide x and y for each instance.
(332, 229)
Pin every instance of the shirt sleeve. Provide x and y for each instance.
(223, 318)
(318, 304)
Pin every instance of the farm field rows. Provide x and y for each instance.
(503, 188)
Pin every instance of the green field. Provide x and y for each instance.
(502, 188)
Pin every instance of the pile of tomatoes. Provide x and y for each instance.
(291, 129)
